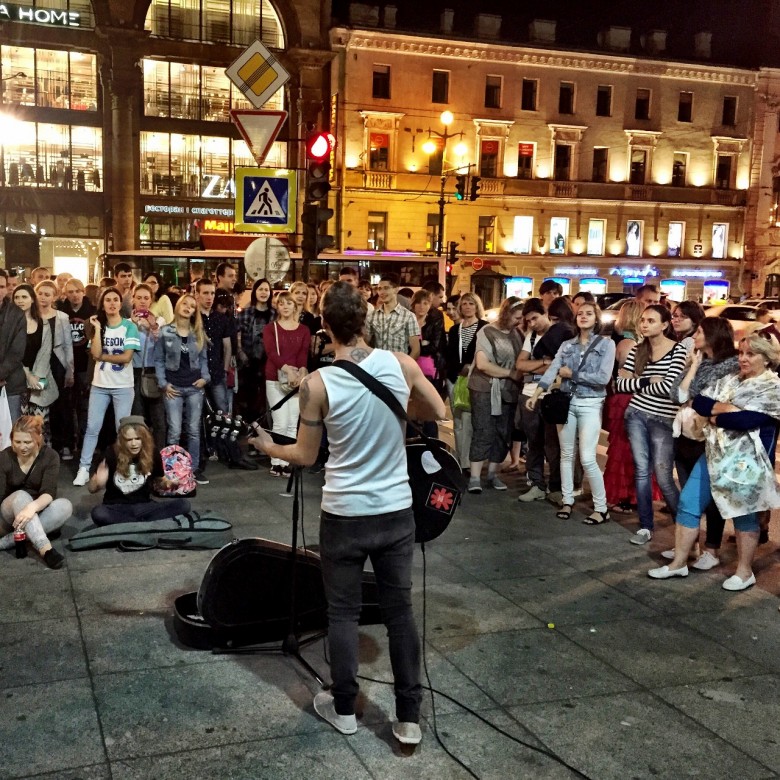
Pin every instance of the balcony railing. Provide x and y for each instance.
(378, 180)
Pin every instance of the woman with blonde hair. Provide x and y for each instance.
(300, 295)
(181, 365)
(129, 470)
(286, 343)
(28, 490)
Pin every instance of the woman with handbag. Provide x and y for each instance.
(649, 372)
(494, 392)
(741, 414)
(432, 338)
(148, 401)
(42, 390)
(461, 346)
(46, 295)
(713, 358)
(584, 363)
(286, 344)
(182, 368)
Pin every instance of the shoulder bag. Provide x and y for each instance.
(435, 476)
(149, 387)
(554, 406)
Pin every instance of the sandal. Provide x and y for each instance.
(564, 513)
(597, 518)
(622, 508)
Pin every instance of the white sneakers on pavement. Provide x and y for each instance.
(664, 573)
(323, 706)
(82, 477)
(737, 583)
(642, 536)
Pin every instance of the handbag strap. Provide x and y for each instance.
(381, 391)
(587, 352)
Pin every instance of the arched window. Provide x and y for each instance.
(216, 21)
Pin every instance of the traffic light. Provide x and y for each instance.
(318, 149)
(314, 241)
(475, 180)
(452, 254)
(460, 187)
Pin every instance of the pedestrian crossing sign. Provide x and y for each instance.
(265, 200)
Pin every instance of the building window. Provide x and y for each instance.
(488, 158)
(642, 105)
(638, 166)
(679, 168)
(493, 92)
(566, 98)
(377, 230)
(528, 96)
(379, 148)
(47, 78)
(380, 88)
(562, 162)
(685, 107)
(486, 235)
(729, 111)
(431, 232)
(218, 21)
(525, 161)
(600, 160)
(724, 171)
(604, 101)
(440, 87)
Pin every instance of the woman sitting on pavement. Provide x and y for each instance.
(585, 365)
(128, 471)
(713, 358)
(737, 471)
(28, 486)
(494, 392)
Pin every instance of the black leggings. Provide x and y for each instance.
(109, 514)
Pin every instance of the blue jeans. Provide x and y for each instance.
(388, 540)
(652, 446)
(223, 398)
(696, 497)
(583, 428)
(190, 398)
(99, 399)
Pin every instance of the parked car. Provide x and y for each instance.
(772, 303)
(606, 300)
(609, 315)
(741, 316)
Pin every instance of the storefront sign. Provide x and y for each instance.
(575, 271)
(51, 16)
(187, 211)
(697, 274)
(648, 270)
(477, 264)
(218, 226)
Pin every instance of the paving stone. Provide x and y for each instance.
(36, 593)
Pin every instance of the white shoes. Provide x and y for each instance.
(737, 583)
(323, 706)
(705, 562)
(407, 733)
(664, 573)
(82, 477)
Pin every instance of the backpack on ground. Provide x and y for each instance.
(177, 466)
(191, 531)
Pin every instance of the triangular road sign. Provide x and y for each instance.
(258, 128)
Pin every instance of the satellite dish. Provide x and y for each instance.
(267, 258)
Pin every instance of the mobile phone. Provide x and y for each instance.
(143, 313)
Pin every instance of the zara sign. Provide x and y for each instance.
(50, 16)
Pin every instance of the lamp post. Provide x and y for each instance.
(429, 147)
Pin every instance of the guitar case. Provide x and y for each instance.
(244, 598)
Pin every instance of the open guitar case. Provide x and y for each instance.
(244, 598)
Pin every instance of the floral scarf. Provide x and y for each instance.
(741, 476)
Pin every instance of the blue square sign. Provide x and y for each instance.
(265, 200)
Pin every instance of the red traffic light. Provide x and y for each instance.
(319, 146)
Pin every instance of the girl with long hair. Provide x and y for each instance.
(686, 317)
(181, 365)
(28, 490)
(432, 337)
(252, 321)
(584, 363)
(130, 468)
(286, 344)
(649, 373)
(42, 390)
(300, 295)
(162, 306)
(114, 342)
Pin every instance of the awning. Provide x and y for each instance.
(226, 241)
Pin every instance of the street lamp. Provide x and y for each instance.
(429, 147)
(20, 75)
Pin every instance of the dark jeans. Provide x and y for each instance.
(388, 540)
(542, 443)
(686, 453)
(109, 514)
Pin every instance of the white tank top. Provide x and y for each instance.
(366, 472)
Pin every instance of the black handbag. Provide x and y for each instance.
(554, 406)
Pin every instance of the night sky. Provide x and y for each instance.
(739, 27)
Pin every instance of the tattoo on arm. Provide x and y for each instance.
(358, 354)
(304, 393)
(310, 423)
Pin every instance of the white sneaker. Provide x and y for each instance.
(642, 536)
(706, 562)
(324, 707)
(407, 733)
(82, 477)
(533, 493)
(668, 554)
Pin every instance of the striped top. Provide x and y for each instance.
(654, 397)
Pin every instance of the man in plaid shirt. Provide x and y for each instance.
(391, 326)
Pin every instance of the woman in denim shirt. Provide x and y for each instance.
(181, 365)
(588, 386)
